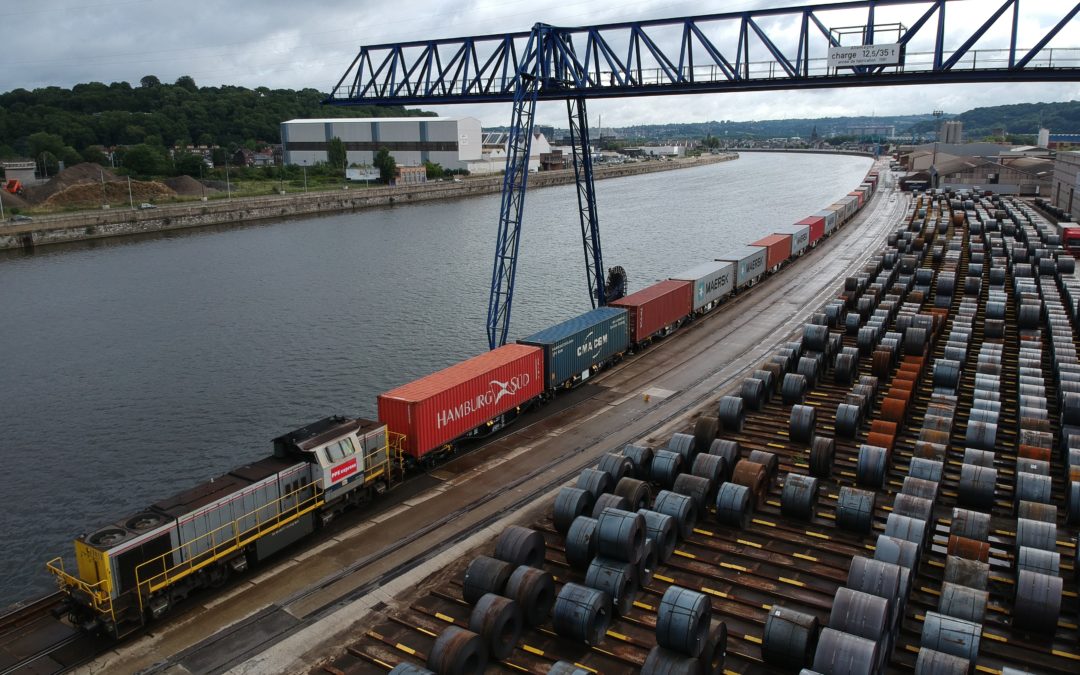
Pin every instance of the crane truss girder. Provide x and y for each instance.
(767, 49)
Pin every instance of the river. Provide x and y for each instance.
(139, 367)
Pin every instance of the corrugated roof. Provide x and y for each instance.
(459, 372)
(337, 120)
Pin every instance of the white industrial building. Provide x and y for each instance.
(453, 143)
(1067, 183)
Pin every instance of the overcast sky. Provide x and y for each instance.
(290, 44)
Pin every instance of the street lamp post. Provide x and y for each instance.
(228, 185)
(305, 175)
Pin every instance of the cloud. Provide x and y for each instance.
(282, 44)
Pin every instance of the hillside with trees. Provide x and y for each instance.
(73, 125)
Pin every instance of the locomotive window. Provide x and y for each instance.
(338, 451)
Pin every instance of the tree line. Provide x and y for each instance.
(54, 124)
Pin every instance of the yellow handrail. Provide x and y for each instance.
(235, 539)
(99, 598)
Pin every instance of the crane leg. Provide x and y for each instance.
(586, 195)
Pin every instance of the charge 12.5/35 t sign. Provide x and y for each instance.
(865, 55)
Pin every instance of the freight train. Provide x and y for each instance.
(135, 570)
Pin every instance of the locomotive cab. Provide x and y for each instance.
(351, 457)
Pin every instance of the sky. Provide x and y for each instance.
(290, 44)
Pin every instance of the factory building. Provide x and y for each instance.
(450, 142)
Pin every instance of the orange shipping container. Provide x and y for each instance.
(779, 246)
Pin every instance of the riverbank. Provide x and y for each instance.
(84, 226)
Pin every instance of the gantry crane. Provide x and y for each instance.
(879, 42)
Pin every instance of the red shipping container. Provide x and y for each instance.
(657, 306)
(779, 246)
(436, 409)
(859, 195)
(817, 226)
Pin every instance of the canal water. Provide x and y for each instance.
(136, 368)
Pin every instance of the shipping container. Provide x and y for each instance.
(436, 409)
(778, 247)
(576, 346)
(852, 204)
(800, 237)
(817, 224)
(858, 195)
(832, 219)
(712, 281)
(749, 263)
(656, 307)
(841, 212)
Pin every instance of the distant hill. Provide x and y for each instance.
(159, 114)
(1022, 118)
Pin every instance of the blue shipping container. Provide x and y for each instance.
(574, 346)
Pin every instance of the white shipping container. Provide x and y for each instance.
(712, 281)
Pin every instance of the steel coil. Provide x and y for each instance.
(915, 341)
(636, 493)
(971, 524)
(534, 591)
(951, 635)
(802, 423)
(1032, 487)
(897, 551)
(753, 475)
(405, 668)
(844, 368)
(680, 507)
(729, 450)
(906, 528)
(595, 482)
(866, 339)
(581, 542)
(620, 535)
(663, 530)
(946, 374)
(712, 467)
(666, 466)
(977, 487)
(1038, 560)
(662, 661)
(714, 655)
(485, 575)
(458, 652)
(961, 602)
(793, 388)
(789, 638)
(964, 572)
(808, 368)
(855, 509)
(767, 459)
(769, 378)
(881, 362)
(1047, 513)
(815, 337)
(981, 458)
(918, 487)
(610, 501)
(913, 507)
(848, 420)
(615, 466)
(582, 613)
(705, 430)
(683, 444)
(732, 413)
(521, 545)
(753, 393)
(683, 621)
(925, 469)
(497, 620)
(733, 505)
(650, 560)
(570, 503)
(932, 662)
(860, 613)
(698, 488)
(872, 464)
(1036, 534)
(822, 451)
(883, 579)
(840, 653)
(616, 578)
(565, 668)
(798, 496)
(641, 457)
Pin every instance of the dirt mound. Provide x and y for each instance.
(12, 202)
(186, 186)
(86, 172)
(89, 194)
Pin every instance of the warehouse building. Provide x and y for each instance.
(1067, 183)
(450, 142)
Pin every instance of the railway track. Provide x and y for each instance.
(33, 641)
(802, 563)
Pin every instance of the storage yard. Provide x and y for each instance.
(893, 489)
